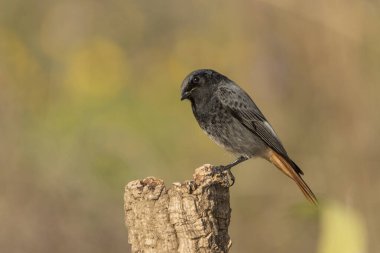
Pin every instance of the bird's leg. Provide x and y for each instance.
(239, 160)
(227, 168)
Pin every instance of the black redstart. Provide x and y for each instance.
(230, 117)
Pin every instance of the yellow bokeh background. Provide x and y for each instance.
(96, 63)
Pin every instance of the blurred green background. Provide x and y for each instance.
(89, 100)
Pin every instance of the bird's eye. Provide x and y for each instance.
(195, 80)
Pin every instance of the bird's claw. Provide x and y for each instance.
(230, 176)
(225, 170)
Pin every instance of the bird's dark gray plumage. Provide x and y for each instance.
(230, 117)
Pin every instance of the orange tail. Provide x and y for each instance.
(286, 168)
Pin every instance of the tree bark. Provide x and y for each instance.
(189, 217)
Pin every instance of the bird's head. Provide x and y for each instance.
(199, 84)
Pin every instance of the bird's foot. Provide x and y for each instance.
(225, 170)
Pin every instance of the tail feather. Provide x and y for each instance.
(282, 164)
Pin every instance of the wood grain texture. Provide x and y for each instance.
(192, 216)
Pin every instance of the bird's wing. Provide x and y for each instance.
(248, 114)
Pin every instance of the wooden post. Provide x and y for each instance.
(189, 217)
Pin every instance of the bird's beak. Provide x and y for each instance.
(185, 95)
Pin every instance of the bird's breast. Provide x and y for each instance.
(218, 124)
(221, 126)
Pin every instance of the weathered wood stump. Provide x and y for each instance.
(189, 217)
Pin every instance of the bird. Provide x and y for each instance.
(228, 115)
